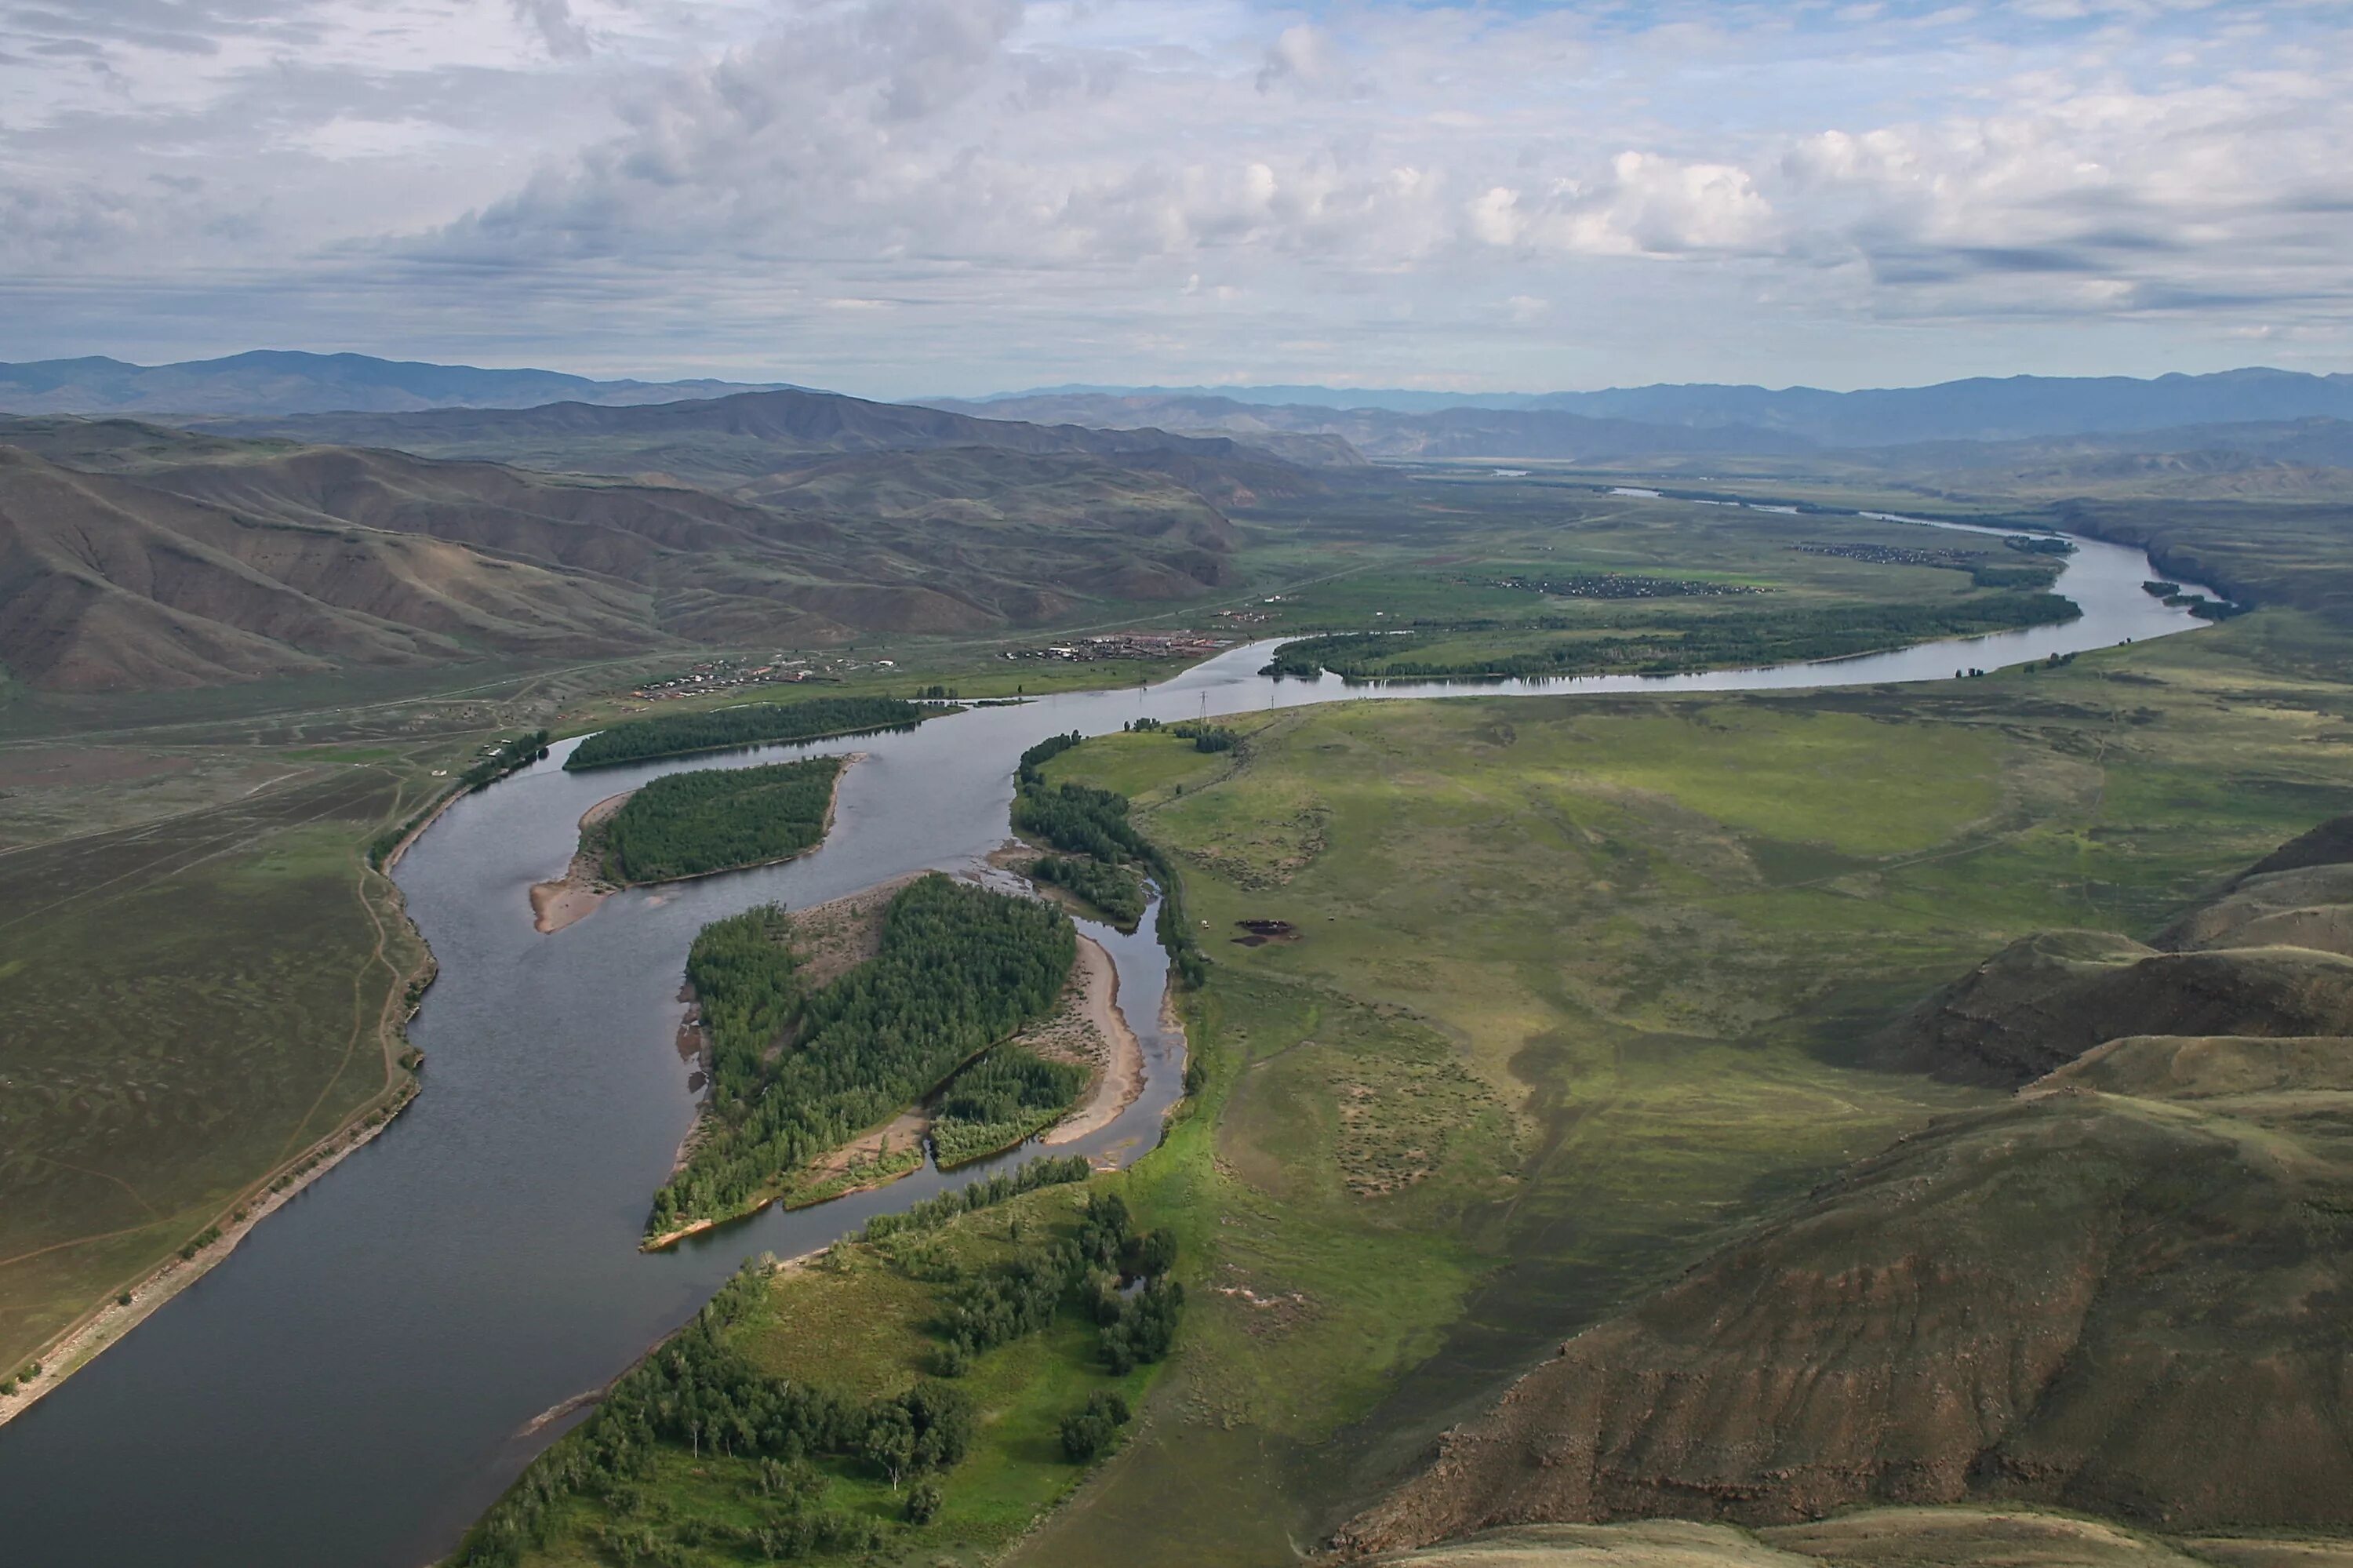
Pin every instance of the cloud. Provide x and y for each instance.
(1686, 189)
(554, 19)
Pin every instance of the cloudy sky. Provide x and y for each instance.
(901, 197)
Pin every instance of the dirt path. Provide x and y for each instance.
(1119, 1077)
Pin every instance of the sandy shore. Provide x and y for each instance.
(1120, 1075)
(575, 896)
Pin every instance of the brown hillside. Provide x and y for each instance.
(2308, 907)
(2045, 1000)
(2039, 1303)
(1962, 1537)
(108, 585)
(2128, 1291)
(141, 557)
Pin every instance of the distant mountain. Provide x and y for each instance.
(745, 437)
(2012, 408)
(1457, 432)
(274, 382)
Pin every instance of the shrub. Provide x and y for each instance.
(1090, 1432)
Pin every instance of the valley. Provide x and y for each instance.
(1503, 1012)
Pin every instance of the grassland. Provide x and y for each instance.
(1576, 993)
(204, 978)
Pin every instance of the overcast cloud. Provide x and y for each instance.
(898, 196)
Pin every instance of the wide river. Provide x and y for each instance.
(352, 1385)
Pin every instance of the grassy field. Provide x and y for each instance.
(202, 977)
(1574, 994)
(192, 1004)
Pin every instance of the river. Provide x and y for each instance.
(349, 1387)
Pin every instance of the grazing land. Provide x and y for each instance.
(1577, 989)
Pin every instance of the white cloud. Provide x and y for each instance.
(938, 192)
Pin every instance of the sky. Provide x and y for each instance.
(901, 197)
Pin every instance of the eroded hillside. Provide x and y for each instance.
(2033, 1303)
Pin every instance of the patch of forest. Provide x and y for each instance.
(997, 1102)
(796, 1073)
(754, 723)
(1114, 889)
(1091, 824)
(1772, 637)
(800, 1465)
(685, 824)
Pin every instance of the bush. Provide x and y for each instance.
(924, 1501)
(1092, 1431)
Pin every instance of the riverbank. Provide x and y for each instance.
(576, 895)
(1117, 1057)
(115, 1317)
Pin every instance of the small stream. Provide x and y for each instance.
(350, 1387)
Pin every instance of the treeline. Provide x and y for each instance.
(999, 1100)
(1001, 1188)
(1779, 637)
(1113, 889)
(755, 724)
(1205, 735)
(696, 1394)
(685, 824)
(960, 968)
(1081, 819)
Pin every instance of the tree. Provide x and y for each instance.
(891, 1442)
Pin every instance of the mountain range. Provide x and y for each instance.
(270, 381)
(1979, 410)
(138, 557)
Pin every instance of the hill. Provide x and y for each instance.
(1459, 432)
(140, 557)
(275, 382)
(2033, 1303)
(1871, 1538)
(109, 585)
(725, 441)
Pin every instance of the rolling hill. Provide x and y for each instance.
(2028, 1303)
(141, 557)
(726, 441)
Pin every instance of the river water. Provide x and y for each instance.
(350, 1387)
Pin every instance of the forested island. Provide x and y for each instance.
(959, 969)
(1763, 637)
(690, 824)
(754, 723)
